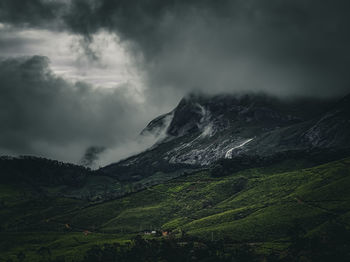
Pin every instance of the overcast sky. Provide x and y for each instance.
(82, 73)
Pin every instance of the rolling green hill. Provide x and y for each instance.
(263, 207)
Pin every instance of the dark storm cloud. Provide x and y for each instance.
(44, 114)
(284, 47)
(30, 12)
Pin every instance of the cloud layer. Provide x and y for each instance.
(291, 47)
(43, 114)
(282, 47)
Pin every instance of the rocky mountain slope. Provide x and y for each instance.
(203, 129)
(220, 133)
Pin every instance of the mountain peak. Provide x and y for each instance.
(203, 129)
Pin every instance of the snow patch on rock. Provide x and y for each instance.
(229, 153)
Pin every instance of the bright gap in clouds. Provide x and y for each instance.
(104, 62)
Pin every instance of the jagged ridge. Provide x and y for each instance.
(203, 129)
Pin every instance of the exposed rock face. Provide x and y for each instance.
(203, 129)
(333, 128)
(157, 125)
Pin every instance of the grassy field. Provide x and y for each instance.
(259, 206)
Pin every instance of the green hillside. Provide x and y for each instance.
(263, 207)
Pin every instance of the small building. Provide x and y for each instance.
(86, 232)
